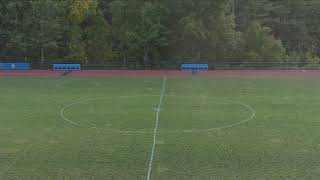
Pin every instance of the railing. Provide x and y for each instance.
(176, 65)
(211, 66)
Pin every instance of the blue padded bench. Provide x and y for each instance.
(73, 67)
(15, 66)
(194, 67)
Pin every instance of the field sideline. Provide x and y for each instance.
(181, 127)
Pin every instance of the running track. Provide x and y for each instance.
(174, 73)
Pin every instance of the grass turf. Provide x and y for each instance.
(282, 142)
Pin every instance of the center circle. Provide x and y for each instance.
(177, 113)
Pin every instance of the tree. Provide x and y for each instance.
(144, 31)
(313, 25)
(124, 17)
(262, 46)
(247, 11)
(6, 23)
(45, 27)
(78, 11)
(138, 28)
(292, 21)
(12, 29)
(203, 31)
(149, 34)
(97, 38)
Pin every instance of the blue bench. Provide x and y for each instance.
(15, 66)
(73, 67)
(195, 67)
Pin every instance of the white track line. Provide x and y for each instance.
(156, 129)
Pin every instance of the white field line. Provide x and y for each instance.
(156, 129)
(62, 114)
(251, 117)
(248, 107)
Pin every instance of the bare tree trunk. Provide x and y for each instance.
(42, 36)
(3, 51)
(146, 55)
(124, 60)
(42, 55)
(233, 6)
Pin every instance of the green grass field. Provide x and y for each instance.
(102, 128)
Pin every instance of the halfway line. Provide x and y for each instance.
(156, 128)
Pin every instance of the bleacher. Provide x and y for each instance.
(195, 67)
(67, 67)
(15, 66)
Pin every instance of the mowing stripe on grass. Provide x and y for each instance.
(156, 128)
(14, 161)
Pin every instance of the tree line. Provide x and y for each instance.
(150, 31)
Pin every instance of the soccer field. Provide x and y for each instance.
(179, 128)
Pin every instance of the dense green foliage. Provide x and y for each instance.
(144, 31)
(282, 142)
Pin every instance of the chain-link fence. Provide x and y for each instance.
(175, 65)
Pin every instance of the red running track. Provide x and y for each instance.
(174, 73)
(29, 73)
